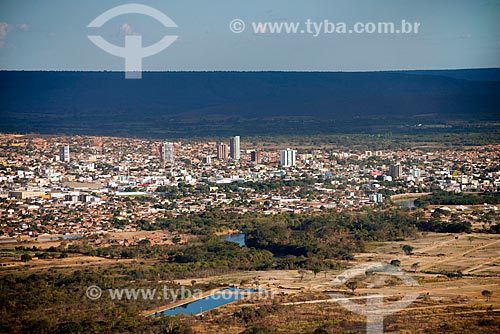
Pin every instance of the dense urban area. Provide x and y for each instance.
(88, 185)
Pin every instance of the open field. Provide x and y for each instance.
(444, 305)
(476, 254)
(303, 303)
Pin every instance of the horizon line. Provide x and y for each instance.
(252, 71)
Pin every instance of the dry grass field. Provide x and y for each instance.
(298, 303)
(445, 304)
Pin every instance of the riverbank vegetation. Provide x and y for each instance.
(452, 198)
(50, 300)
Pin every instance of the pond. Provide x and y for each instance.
(218, 299)
(238, 238)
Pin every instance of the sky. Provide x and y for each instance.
(53, 35)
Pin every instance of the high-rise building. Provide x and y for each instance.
(255, 156)
(167, 152)
(234, 148)
(396, 171)
(64, 153)
(222, 151)
(287, 157)
(376, 198)
(416, 173)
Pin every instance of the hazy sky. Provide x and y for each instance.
(52, 35)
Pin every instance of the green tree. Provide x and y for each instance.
(395, 263)
(302, 273)
(487, 294)
(26, 257)
(408, 249)
(320, 331)
(353, 285)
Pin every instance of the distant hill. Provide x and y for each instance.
(184, 104)
(483, 74)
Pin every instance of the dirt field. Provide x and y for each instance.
(444, 305)
(71, 262)
(302, 304)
